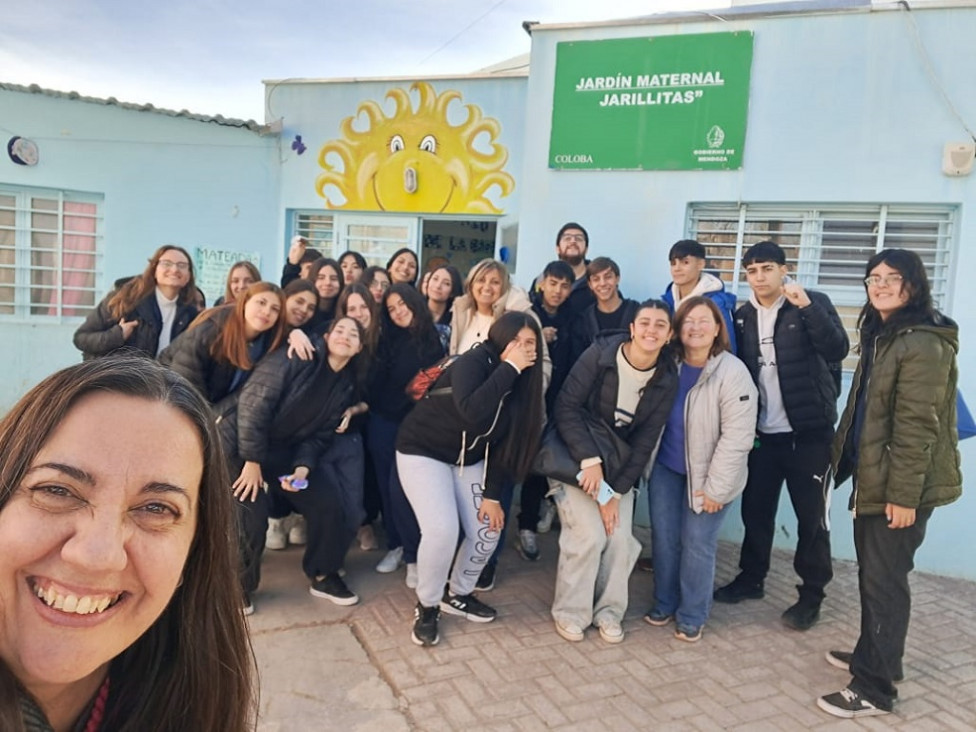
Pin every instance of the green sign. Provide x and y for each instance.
(659, 103)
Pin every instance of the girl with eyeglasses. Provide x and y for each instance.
(146, 313)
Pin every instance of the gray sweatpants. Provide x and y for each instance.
(440, 495)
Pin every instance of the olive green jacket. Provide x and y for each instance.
(908, 452)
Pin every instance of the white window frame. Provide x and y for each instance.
(23, 249)
(728, 229)
(339, 236)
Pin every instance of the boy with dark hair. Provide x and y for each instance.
(550, 304)
(687, 258)
(300, 258)
(792, 341)
(610, 313)
(572, 243)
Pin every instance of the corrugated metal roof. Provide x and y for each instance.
(218, 119)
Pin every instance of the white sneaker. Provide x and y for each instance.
(611, 631)
(412, 577)
(545, 520)
(391, 562)
(276, 538)
(297, 534)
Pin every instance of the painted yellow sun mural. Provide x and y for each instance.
(416, 160)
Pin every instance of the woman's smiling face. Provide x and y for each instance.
(94, 539)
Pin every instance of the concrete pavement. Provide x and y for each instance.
(325, 667)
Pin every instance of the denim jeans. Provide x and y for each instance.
(399, 521)
(684, 545)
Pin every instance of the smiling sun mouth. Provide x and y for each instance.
(70, 603)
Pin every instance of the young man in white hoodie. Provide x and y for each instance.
(792, 341)
(689, 278)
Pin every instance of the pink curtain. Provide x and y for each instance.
(77, 253)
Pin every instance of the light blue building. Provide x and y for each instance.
(834, 128)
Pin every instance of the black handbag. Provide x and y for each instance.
(555, 461)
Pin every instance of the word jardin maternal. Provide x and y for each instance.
(662, 88)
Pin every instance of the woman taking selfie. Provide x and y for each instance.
(701, 466)
(146, 313)
(121, 609)
(477, 428)
(897, 440)
(626, 384)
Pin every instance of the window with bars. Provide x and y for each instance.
(826, 247)
(50, 253)
(375, 237)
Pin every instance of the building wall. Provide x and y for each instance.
(841, 110)
(164, 180)
(316, 111)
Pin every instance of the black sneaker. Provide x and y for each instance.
(737, 591)
(333, 587)
(848, 704)
(425, 625)
(486, 580)
(248, 608)
(802, 615)
(842, 660)
(467, 606)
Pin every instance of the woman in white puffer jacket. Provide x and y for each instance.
(701, 467)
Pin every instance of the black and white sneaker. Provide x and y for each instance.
(333, 587)
(848, 704)
(467, 606)
(425, 625)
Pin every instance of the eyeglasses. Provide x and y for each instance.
(572, 237)
(703, 323)
(168, 264)
(878, 280)
(381, 285)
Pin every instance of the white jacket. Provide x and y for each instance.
(720, 429)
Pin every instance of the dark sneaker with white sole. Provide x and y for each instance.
(486, 580)
(425, 625)
(848, 704)
(467, 606)
(842, 660)
(332, 587)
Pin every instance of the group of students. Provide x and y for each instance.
(699, 399)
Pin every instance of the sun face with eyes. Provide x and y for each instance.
(415, 160)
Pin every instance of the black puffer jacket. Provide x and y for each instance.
(256, 423)
(810, 343)
(189, 356)
(399, 357)
(592, 387)
(457, 427)
(586, 327)
(101, 334)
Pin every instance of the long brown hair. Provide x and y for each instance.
(128, 296)
(194, 667)
(372, 333)
(230, 345)
(242, 264)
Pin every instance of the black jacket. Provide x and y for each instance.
(101, 334)
(810, 344)
(586, 327)
(560, 350)
(457, 426)
(189, 356)
(592, 386)
(398, 359)
(256, 423)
